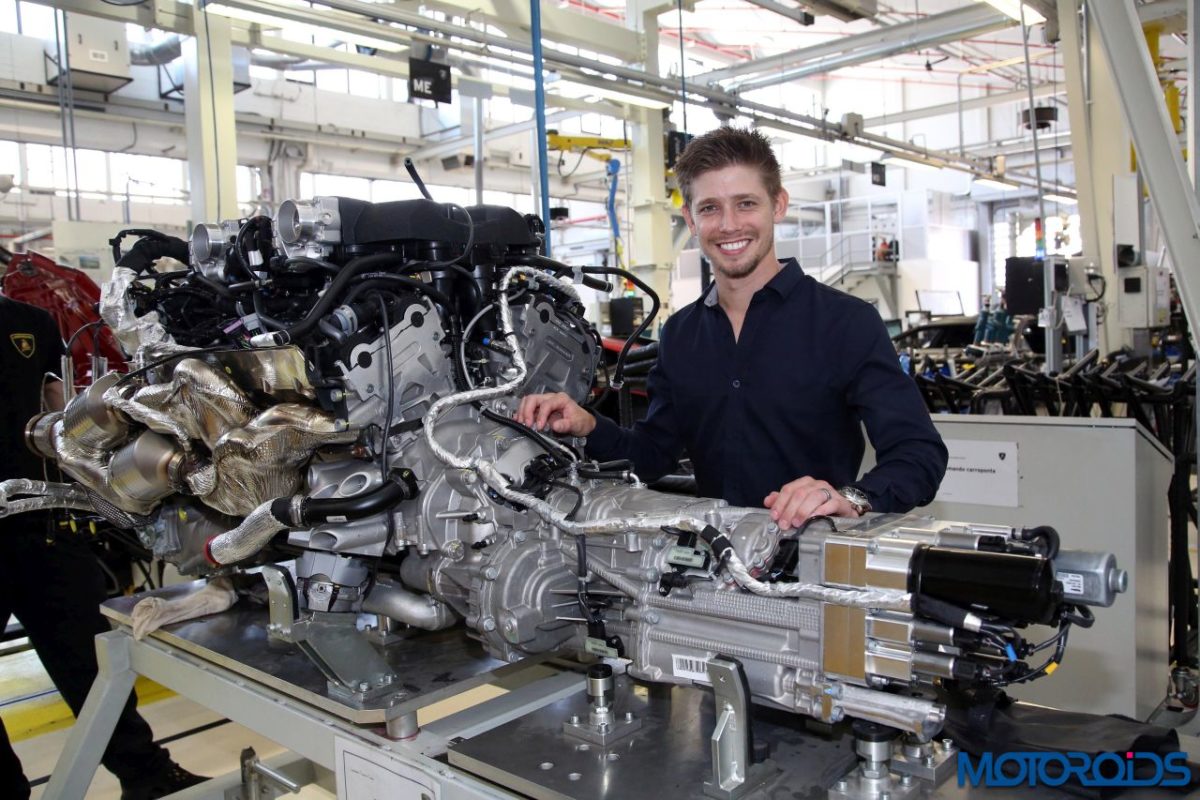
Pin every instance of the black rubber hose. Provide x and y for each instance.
(416, 178)
(647, 353)
(655, 305)
(332, 295)
(400, 486)
(558, 268)
(375, 280)
(147, 250)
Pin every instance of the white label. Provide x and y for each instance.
(365, 772)
(598, 648)
(983, 473)
(685, 557)
(336, 518)
(98, 55)
(1073, 315)
(1072, 582)
(695, 669)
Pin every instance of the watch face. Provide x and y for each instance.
(857, 498)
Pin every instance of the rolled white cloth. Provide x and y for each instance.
(152, 613)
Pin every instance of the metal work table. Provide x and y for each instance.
(509, 746)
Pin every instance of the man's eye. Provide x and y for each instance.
(707, 209)
(747, 204)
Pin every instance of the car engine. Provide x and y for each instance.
(333, 388)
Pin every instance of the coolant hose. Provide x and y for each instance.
(401, 485)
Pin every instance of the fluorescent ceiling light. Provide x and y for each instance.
(1000, 186)
(1061, 199)
(1012, 8)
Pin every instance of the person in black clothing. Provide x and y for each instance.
(53, 585)
(768, 378)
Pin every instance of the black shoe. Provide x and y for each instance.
(172, 778)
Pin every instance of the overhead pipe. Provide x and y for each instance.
(931, 30)
(971, 25)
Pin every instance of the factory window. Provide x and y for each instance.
(47, 166)
(323, 185)
(8, 16)
(383, 191)
(10, 157)
(247, 185)
(148, 176)
(91, 171)
(333, 80)
(365, 84)
(37, 21)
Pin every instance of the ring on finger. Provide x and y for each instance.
(828, 495)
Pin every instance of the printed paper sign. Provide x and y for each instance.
(980, 472)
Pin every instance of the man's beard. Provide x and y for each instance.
(737, 272)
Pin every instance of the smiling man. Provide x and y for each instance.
(768, 379)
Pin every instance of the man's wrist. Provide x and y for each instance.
(857, 498)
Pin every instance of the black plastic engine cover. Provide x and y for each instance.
(366, 223)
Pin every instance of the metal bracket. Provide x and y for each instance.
(733, 772)
(873, 778)
(603, 726)
(354, 671)
(259, 780)
(932, 761)
(281, 594)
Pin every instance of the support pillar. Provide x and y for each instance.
(1145, 113)
(1100, 143)
(209, 117)
(652, 254)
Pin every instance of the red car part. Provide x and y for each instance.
(71, 297)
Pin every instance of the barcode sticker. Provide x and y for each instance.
(695, 669)
(1072, 582)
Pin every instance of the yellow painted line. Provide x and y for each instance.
(35, 717)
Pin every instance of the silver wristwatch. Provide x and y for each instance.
(857, 497)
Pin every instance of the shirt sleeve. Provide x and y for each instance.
(910, 455)
(652, 444)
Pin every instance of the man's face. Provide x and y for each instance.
(734, 217)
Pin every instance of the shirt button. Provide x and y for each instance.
(737, 384)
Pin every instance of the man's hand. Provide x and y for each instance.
(558, 412)
(804, 498)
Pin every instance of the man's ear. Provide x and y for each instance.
(781, 204)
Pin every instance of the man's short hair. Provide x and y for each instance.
(726, 147)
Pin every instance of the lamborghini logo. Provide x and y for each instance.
(24, 342)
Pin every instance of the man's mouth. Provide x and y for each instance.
(734, 247)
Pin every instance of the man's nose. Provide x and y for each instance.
(728, 220)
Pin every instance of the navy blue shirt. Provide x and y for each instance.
(787, 399)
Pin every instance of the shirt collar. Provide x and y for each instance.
(782, 284)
